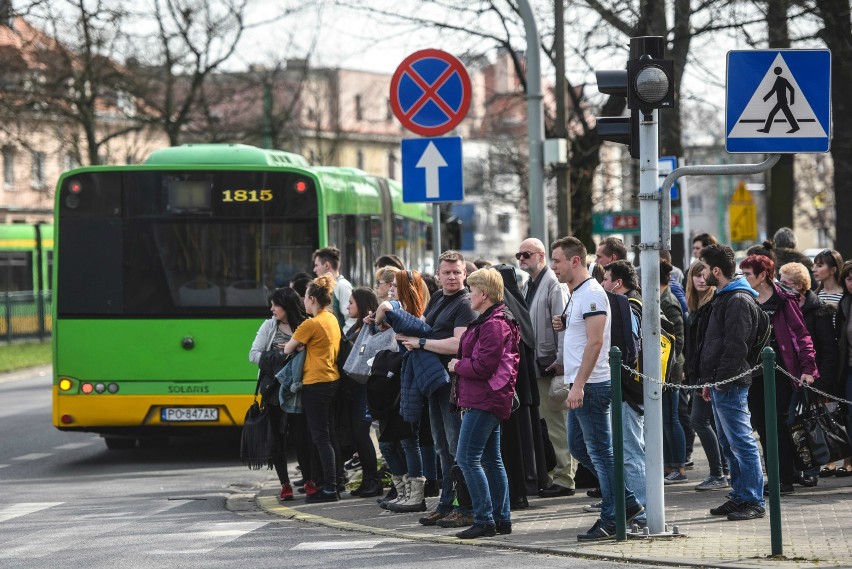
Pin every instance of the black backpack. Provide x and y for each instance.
(621, 329)
(761, 338)
(383, 386)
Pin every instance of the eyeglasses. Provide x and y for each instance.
(525, 255)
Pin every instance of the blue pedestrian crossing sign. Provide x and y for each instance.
(432, 170)
(778, 101)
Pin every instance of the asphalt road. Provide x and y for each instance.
(66, 501)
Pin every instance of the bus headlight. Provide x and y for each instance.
(65, 384)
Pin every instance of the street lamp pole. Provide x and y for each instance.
(535, 126)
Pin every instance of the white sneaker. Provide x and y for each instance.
(713, 483)
(596, 507)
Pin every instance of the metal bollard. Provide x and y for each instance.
(772, 469)
(617, 445)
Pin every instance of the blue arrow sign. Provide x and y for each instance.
(665, 166)
(778, 101)
(432, 170)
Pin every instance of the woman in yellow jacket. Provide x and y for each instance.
(320, 336)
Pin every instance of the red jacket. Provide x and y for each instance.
(488, 362)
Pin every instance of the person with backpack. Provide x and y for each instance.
(795, 353)
(725, 336)
(622, 286)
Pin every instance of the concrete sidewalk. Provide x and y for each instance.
(817, 527)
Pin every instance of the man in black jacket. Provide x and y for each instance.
(725, 335)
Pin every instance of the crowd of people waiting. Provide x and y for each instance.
(501, 386)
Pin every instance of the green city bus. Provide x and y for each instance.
(163, 271)
(26, 268)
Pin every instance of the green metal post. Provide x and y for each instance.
(772, 451)
(617, 445)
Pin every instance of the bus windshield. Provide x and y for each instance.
(178, 244)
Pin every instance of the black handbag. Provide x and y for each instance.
(257, 442)
(818, 436)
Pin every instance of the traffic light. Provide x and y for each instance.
(651, 83)
(647, 84)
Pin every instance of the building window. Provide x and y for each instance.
(38, 179)
(391, 164)
(696, 204)
(69, 162)
(388, 110)
(359, 159)
(312, 158)
(504, 223)
(9, 167)
(359, 111)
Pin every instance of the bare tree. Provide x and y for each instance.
(836, 31)
(191, 40)
(66, 77)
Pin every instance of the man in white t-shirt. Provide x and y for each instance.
(586, 322)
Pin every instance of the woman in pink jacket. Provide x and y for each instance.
(486, 371)
(794, 351)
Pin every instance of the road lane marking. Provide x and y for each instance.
(74, 446)
(24, 508)
(204, 537)
(331, 545)
(33, 456)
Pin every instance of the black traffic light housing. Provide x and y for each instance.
(647, 84)
(650, 84)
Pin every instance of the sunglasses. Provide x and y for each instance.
(524, 255)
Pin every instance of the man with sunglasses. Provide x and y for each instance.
(546, 297)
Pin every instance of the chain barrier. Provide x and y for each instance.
(743, 375)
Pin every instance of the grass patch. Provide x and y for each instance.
(18, 356)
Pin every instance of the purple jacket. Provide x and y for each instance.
(488, 362)
(792, 336)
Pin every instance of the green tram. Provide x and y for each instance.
(163, 271)
(26, 271)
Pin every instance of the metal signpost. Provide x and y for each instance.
(430, 94)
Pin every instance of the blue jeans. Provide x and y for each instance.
(674, 447)
(446, 425)
(394, 457)
(705, 427)
(633, 425)
(482, 465)
(590, 441)
(733, 426)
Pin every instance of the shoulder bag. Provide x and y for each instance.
(368, 343)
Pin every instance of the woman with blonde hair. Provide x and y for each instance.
(486, 371)
(320, 336)
(819, 320)
(698, 296)
(384, 280)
